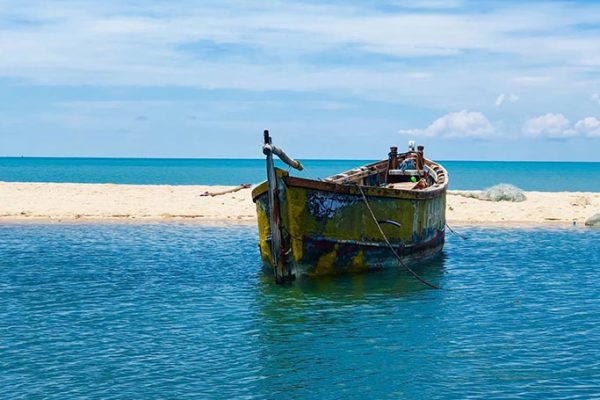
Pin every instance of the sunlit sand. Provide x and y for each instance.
(58, 202)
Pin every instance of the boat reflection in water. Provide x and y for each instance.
(347, 289)
(348, 332)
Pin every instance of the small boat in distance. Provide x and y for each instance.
(386, 214)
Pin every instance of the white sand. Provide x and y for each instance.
(539, 208)
(78, 201)
(46, 202)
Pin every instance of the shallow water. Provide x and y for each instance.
(184, 311)
(466, 175)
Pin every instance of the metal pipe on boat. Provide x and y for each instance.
(280, 270)
(282, 156)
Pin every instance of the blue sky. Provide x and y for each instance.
(330, 79)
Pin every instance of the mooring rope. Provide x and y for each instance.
(385, 238)
(463, 237)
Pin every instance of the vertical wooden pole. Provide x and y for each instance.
(420, 158)
(391, 162)
(274, 215)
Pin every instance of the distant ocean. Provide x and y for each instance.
(538, 176)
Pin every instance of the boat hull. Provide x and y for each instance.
(328, 229)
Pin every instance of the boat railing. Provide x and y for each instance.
(355, 174)
(434, 170)
(437, 172)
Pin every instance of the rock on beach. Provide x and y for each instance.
(594, 220)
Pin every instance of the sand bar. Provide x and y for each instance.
(68, 202)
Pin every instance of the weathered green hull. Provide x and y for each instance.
(328, 229)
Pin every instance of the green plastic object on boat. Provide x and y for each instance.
(413, 179)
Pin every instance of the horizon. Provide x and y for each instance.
(263, 159)
(332, 80)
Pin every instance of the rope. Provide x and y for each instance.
(385, 238)
(463, 237)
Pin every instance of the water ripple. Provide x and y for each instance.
(168, 311)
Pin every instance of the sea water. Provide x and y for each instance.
(185, 312)
(540, 176)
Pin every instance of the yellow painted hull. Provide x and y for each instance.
(327, 228)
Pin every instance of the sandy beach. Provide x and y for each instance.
(68, 202)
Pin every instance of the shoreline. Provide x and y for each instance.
(88, 203)
(234, 223)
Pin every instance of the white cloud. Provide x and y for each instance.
(457, 124)
(557, 126)
(280, 45)
(549, 125)
(506, 98)
(355, 50)
(595, 98)
(589, 126)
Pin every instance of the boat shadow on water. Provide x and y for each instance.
(346, 288)
(310, 310)
(328, 328)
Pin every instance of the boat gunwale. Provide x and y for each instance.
(374, 191)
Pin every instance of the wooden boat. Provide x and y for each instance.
(385, 214)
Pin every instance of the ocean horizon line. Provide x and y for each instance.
(260, 158)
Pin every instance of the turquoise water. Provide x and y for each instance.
(541, 176)
(183, 311)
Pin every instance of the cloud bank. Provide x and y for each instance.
(549, 125)
(459, 124)
(557, 126)
(589, 126)
(288, 45)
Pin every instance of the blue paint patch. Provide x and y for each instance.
(325, 205)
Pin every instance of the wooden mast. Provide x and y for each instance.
(274, 214)
(281, 266)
